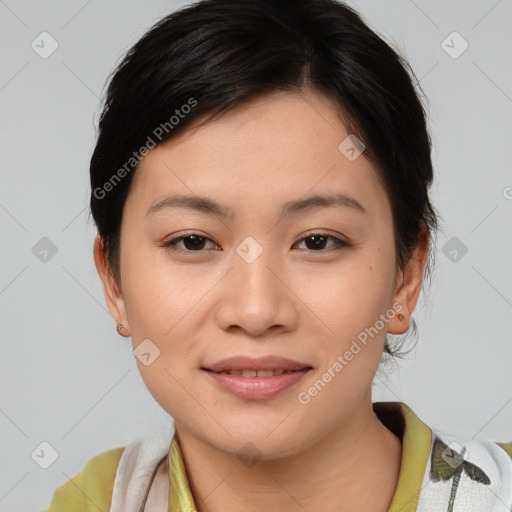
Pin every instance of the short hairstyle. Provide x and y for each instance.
(211, 56)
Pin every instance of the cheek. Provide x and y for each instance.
(352, 348)
(158, 295)
(356, 292)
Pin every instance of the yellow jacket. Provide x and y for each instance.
(438, 473)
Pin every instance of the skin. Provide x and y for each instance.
(294, 300)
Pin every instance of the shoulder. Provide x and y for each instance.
(507, 447)
(476, 473)
(91, 489)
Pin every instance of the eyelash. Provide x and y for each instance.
(172, 243)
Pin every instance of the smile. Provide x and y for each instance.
(256, 384)
(256, 373)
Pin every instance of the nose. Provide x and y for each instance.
(256, 297)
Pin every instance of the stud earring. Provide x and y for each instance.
(401, 317)
(119, 328)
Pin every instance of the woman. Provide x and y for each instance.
(260, 187)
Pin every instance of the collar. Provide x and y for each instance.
(180, 495)
(396, 416)
(416, 440)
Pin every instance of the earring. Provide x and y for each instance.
(121, 326)
(401, 317)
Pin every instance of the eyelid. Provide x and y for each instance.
(322, 232)
(171, 242)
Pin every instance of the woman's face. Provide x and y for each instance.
(260, 281)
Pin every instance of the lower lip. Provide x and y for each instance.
(257, 388)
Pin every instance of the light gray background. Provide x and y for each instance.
(66, 376)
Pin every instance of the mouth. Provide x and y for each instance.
(258, 373)
(243, 365)
(256, 379)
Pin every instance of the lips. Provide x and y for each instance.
(246, 366)
(262, 378)
(256, 373)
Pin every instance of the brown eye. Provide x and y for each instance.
(191, 243)
(316, 242)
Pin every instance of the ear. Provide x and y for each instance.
(409, 282)
(113, 297)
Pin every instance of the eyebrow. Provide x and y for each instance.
(211, 207)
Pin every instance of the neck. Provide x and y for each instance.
(354, 467)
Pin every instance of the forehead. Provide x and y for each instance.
(277, 146)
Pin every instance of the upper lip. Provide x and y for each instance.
(271, 362)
